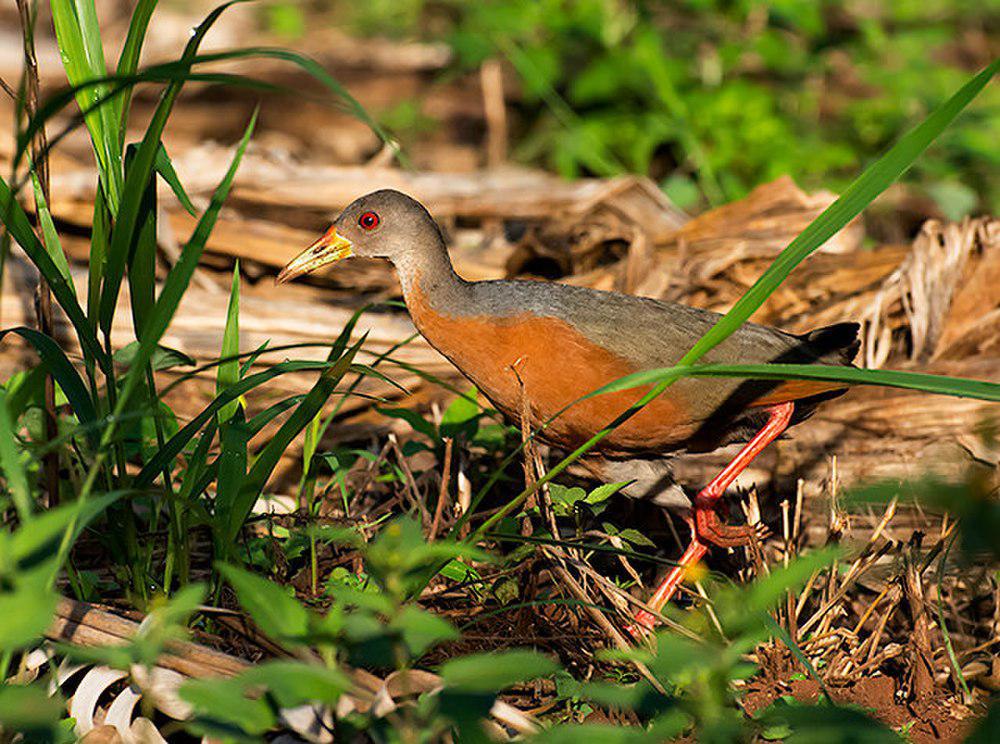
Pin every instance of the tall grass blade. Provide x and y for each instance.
(180, 440)
(11, 465)
(51, 242)
(19, 226)
(232, 469)
(79, 37)
(128, 61)
(958, 387)
(139, 174)
(62, 370)
(228, 372)
(268, 458)
(180, 275)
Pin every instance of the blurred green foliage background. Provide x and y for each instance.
(712, 97)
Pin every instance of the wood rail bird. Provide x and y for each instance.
(536, 347)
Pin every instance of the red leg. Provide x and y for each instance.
(706, 525)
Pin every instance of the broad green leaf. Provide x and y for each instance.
(294, 683)
(495, 671)
(829, 724)
(29, 709)
(223, 704)
(422, 630)
(26, 613)
(278, 615)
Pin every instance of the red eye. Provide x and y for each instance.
(368, 220)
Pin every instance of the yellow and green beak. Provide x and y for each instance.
(330, 248)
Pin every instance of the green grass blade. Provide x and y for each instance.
(165, 167)
(180, 276)
(128, 61)
(10, 463)
(59, 366)
(100, 234)
(921, 381)
(142, 255)
(268, 458)
(52, 242)
(139, 175)
(19, 226)
(232, 464)
(79, 38)
(228, 372)
(180, 440)
(875, 179)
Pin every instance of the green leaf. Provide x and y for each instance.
(293, 683)
(20, 229)
(829, 724)
(490, 673)
(140, 175)
(223, 703)
(228, 372)
(29, 708)
(596, 733)
(461, 417)
(79, 38)
(25, 614)
(36, 544)
(278, 615)
(414, 419)
(128, 61)
(58, 365)
(179, 441)
(939, 384)
(604, 492)
(421, 630)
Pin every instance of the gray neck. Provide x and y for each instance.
(431, 270)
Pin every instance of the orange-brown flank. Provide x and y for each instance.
(556, 365)
(551, 363)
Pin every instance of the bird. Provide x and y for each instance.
(534, 348)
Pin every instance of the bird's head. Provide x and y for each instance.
(383, 224)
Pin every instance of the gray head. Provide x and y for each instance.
(383, 224)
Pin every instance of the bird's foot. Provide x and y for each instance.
(710, 528)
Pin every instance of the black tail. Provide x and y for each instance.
(834, 344)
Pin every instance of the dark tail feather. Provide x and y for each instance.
(837, 343)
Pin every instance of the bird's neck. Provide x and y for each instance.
(429, 278)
